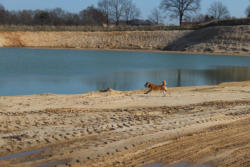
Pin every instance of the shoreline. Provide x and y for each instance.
(142, 50)
(110, 90)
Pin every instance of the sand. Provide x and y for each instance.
(206, 125)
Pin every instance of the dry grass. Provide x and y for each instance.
(228, 22)
(90, 28)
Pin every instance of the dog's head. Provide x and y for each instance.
(147, 85)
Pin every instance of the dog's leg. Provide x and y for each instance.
(168, 92)
(164, 92)
(148, 91)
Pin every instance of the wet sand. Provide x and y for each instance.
(206, 125)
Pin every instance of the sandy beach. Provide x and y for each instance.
(205, 125)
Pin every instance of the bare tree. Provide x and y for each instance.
(2, 14)
(156, 16)
(131, 12)
(24, 17)
(199, 18)
(42, 17)
(248, 11)
(218, 11)
(2, 7)
(71, 19)
(117, 8)
(104, 6)
(92, 16)
(57, 16)
(180, 8)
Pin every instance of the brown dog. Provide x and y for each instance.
(161, 87)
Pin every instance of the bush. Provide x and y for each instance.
(228, 22)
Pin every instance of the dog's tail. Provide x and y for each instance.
(164, 83)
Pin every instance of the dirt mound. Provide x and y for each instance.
(221, 39)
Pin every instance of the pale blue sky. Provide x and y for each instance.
(236, 7)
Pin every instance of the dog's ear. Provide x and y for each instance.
(147, 84)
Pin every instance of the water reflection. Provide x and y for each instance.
(34, 71)
(136, 80)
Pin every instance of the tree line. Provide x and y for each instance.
(107, 12)
(117, 12)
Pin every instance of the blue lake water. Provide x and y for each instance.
(65, 71)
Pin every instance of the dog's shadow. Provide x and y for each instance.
(151, 95)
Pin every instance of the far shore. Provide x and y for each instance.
(217, 40)
(144, 50)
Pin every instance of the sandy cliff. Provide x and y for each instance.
(223, 39)
(105, 40)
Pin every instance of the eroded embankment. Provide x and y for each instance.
(222, 39)
(93, 40)
(225, 39)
